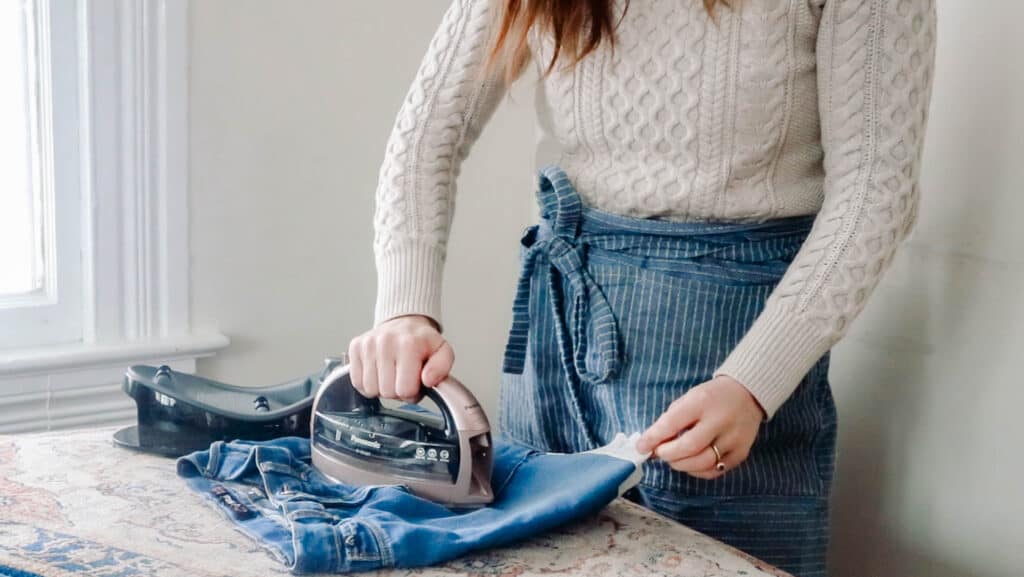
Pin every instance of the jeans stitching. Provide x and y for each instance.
(350, 529)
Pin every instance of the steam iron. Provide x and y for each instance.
(179, 412)
(443, 456)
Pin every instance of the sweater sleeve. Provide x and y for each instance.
(875, 61)
(443, 113)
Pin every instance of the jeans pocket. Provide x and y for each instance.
(362, 545)
(673, 329)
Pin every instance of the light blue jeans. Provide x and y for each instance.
(615, 317)
(271, 491)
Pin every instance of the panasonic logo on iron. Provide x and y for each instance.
(364, 442)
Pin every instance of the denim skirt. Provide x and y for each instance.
(616, 316)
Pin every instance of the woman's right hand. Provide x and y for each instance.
(394, 358)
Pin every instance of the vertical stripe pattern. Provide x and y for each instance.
(616, 316)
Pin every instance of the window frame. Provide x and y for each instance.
(132, 174)
(52, 314)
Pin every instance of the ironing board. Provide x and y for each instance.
(72, 504)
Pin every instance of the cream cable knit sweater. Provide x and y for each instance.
(781, 108)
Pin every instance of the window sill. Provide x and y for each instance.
(80, 385)
(63, 358)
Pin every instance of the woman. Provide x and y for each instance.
(734, 179)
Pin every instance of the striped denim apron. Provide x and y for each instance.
(615, 317)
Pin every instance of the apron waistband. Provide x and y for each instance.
(566, 226)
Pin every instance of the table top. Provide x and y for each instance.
(71, 503)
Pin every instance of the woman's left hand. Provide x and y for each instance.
(721, 411)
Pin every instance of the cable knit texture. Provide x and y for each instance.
(778, 108)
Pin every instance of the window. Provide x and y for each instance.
(93, 189)
(40, 265)
(22, 262)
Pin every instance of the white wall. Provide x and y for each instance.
(930, 384)
(291, 107)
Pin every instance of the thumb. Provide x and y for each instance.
(438, 365)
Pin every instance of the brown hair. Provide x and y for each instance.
(577, 25)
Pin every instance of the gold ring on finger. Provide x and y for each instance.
(719, 465)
